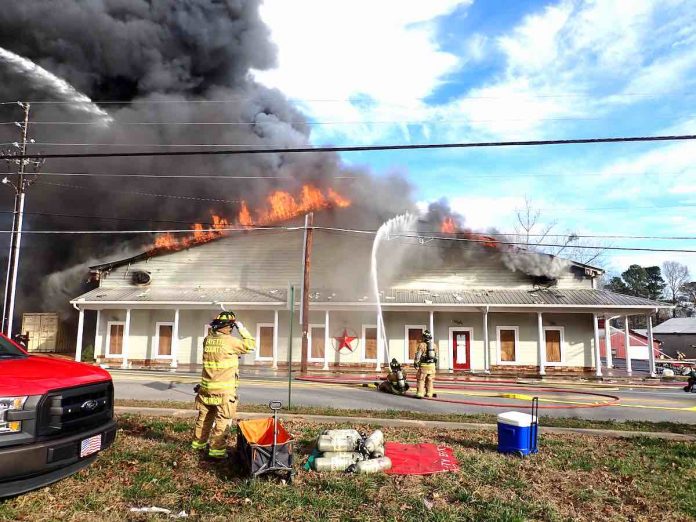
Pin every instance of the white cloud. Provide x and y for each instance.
(384, 51)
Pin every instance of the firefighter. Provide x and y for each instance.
(424, 361)
(216, 398)
(396, 380)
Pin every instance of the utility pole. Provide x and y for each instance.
(23, 182)
(308, 233)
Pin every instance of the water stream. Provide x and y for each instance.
(46, 80)
(401, 223)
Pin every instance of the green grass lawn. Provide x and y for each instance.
(574, 477)
(486, 418)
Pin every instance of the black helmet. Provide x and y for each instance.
(394, 365)
(223, 320)
(427, 336)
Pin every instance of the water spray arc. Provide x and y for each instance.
(399, 223)
(47, 80)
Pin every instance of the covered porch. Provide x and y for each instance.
(489, 338)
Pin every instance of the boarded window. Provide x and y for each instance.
(414, 337)
(316, 350)
(370, 343)
(266, 341)
(507, 345)
(553, 345)
(164, 346)
(116, 339)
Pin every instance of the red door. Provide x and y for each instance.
(461, 349)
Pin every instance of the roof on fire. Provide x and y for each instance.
(277, 297)
(156, 252)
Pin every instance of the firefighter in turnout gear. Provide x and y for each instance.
(425, 360)
(396, 380)
(216, 399)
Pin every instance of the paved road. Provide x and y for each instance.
(661, 403)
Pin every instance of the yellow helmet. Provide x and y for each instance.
(222, 320)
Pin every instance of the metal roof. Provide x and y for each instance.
(464, 298)
(678, 325)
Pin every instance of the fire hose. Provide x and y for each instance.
(612, 399)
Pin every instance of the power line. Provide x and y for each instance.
(172, 196)
(223, 230)
(194, 198)
(363, 148)
(237, 98)
(289, 178)
(444, 234)
(431, 121)
(183, 176)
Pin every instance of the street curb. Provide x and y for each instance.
(412, 423)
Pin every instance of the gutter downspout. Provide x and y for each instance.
(80, 328)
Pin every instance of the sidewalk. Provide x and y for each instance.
(409, 423)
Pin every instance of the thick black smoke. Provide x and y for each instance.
(169, 52)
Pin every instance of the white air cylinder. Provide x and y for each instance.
(339, 463)
(356, 456)
(373, 465)
(328, 443)
(374, 441)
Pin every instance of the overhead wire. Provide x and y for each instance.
(444, 234)
(357, 148)
(237, 98)
(420, 237)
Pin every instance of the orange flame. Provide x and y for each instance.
(448, 226)
(280, 206)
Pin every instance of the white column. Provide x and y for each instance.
(380, 343)
(627, 345)
(175, 340)
(326, 340)
(126, 336)
(607, 343)
(598, 359)
(486, 344)
(80, 328)
(275, 340)
(542, 344)
(651, 352)
(97, 337)
(432, 333)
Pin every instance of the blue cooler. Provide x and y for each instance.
(517, 433)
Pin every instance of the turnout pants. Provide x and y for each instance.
(212, 425)
(425, 377)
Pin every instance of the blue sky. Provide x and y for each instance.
(394, 71)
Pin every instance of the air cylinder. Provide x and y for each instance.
(373, 465)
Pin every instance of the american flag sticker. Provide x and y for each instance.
(90, 445)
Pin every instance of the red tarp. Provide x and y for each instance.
(419, 459)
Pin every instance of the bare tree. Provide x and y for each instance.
(537, 235)
(676, 276)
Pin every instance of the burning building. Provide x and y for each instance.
(153, 308)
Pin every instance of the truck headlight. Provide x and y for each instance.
(10, 404)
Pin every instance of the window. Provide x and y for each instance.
(413, 334)
(508, 337)
(163, 339)
(114, 338)
(264, 338)
(316, 343)
(369, 342)
(554, 344)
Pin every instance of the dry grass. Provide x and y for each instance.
(572, 478)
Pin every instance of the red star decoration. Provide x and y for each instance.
(344, 341)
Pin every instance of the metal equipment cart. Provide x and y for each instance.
(265, 446)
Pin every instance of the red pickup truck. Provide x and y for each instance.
(55, 416)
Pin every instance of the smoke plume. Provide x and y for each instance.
(174, 72)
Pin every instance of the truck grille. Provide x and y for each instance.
(76, 409)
